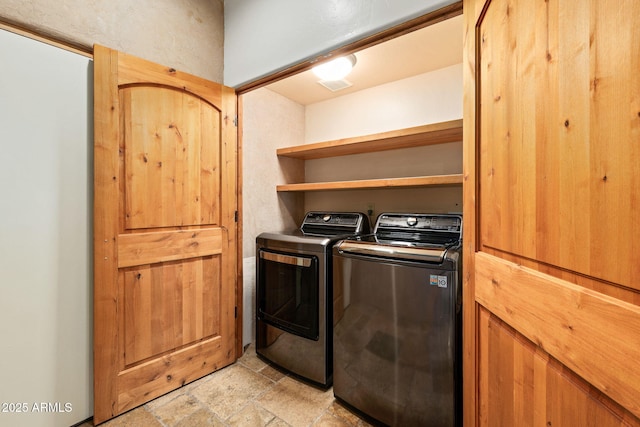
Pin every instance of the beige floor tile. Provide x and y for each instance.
(343, 413)
(246, 394)
(272, 373)
(201, 418)
(251, 360)
(295, 402)
(175, 410)
(251, 416)
(329, 420)
(277, 422)
(164, 399)
(136, 417)
(229, 390)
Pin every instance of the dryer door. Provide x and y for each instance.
(287, 292)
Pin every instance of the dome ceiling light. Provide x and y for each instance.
(336, 69)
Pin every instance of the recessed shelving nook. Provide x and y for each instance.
(431, 134)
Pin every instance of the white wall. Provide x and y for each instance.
(45, 233)
(270, 121)
(262, 37)
(427, 98)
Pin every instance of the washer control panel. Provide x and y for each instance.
(423, 222)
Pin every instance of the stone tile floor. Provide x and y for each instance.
(248, 393)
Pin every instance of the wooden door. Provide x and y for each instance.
(164, 230)
(552, 213)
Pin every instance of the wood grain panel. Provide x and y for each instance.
(151, 379)
(615, 116)
(169, 305)
(594, 335)
(135, 70)
(161, 246)
(172, 178)
(524, 386)
(206, 168)
(507, 151)
(554, 186)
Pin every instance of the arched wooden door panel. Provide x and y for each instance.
(164, 230)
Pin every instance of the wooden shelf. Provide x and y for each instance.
(409, 182)
(437, 133)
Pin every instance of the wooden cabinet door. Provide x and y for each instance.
(164, 230)
(552, 213)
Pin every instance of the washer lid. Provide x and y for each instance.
(433, 254)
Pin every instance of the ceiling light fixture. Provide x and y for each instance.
(336, 69)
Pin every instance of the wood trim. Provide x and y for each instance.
(430, 18)
(239, 238)
(602, 332)
(142, 248)
(134, 70)
(43, 37)
(105, 229)
(418, 181)
(602, 286)
(230, 161)
(435, 133)
(470, 155)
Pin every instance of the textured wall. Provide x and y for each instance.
(270, 121)
(185, 34)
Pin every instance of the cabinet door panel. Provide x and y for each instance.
(543, 391)
(552, 212)
(559, 126)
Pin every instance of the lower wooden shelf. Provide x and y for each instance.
(409, 182)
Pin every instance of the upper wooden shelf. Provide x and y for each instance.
(437, 133)
(408, 182)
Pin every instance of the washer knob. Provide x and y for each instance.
(411, 221)
(326, 218)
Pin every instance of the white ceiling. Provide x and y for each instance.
(430, 48)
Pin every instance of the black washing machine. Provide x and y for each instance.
(397, 320)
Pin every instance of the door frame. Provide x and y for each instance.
(399, 30)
